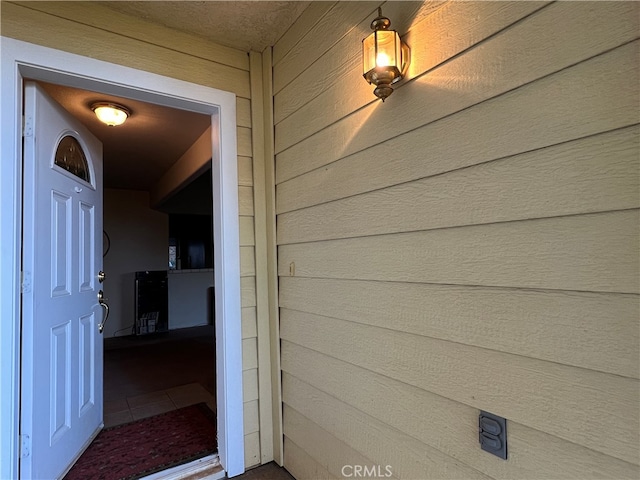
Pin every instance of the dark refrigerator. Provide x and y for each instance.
(151, 302)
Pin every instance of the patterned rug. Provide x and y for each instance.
(143, 447)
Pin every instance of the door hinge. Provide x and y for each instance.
(25, 446)
(25, 281)
(27, 126)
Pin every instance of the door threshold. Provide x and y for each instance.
(206, 468)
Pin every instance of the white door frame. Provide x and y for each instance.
(20, 59)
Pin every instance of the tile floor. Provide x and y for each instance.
(123, 410)
(147, 376)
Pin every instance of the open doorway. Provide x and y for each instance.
(21, 60)
(154, 367)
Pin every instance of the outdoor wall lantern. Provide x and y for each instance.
(385, 57)
(110, 113)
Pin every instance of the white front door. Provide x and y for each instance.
(61, 380)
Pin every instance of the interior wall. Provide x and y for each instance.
(139, 241)
(469, 244)
(89, 29)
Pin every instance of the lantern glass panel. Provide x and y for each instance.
(369, 52)
(388, 51)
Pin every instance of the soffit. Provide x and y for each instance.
(245, 25)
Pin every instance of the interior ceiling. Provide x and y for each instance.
(138, 153)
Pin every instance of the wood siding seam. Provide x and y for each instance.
(589, 73)
(320, 444)
(130, 37)
(408, 456)
(302, 465)
(349, 48)
(534, 453)
(69, 35)
(453, 227)
(556, 258)
(284, 308)
(308, 120)
(596, 324)
(569, 396)
(121, 22)
(316, 11)
(450, 114)
(298, 203)
(369, 7)
(467, 285)
(478, 252)
(354, 61)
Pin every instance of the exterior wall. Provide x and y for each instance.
(92, 30)
(139, 241)
(471, 244)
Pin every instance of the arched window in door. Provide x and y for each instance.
(71, 157)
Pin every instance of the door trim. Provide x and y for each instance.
(21, 59)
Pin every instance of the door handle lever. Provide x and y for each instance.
(103, 303)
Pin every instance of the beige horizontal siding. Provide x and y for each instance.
(317, 38)
(596, 252)
(583, 176)
(301, 465)
(103, 18)
(586, 99)
(245, 171)
(528, 60)
(248, 291)
(80, 38)
(295, 32)
(250, 384)
(93, 30)
(407, 457)
(533, 453)
(247, 262)
(322, 445)
(249, 322)
(243, 112)
(472, 243)
(252, 449)
(602, 329)
(581, 406)
(247, 233)
(344, 56)
(245, 201)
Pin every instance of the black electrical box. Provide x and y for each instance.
(493, 434)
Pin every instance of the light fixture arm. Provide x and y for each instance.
(380, 22)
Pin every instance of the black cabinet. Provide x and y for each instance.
(151, 302)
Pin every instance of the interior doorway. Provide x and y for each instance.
(22, 60)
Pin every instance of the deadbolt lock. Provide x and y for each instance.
(101, 276)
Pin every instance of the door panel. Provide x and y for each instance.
(61, 381)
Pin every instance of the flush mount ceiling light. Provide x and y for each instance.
(111, 113)
(385, 57)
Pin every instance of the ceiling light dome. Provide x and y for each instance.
(111, 113)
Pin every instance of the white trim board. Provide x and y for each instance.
(19, 60)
